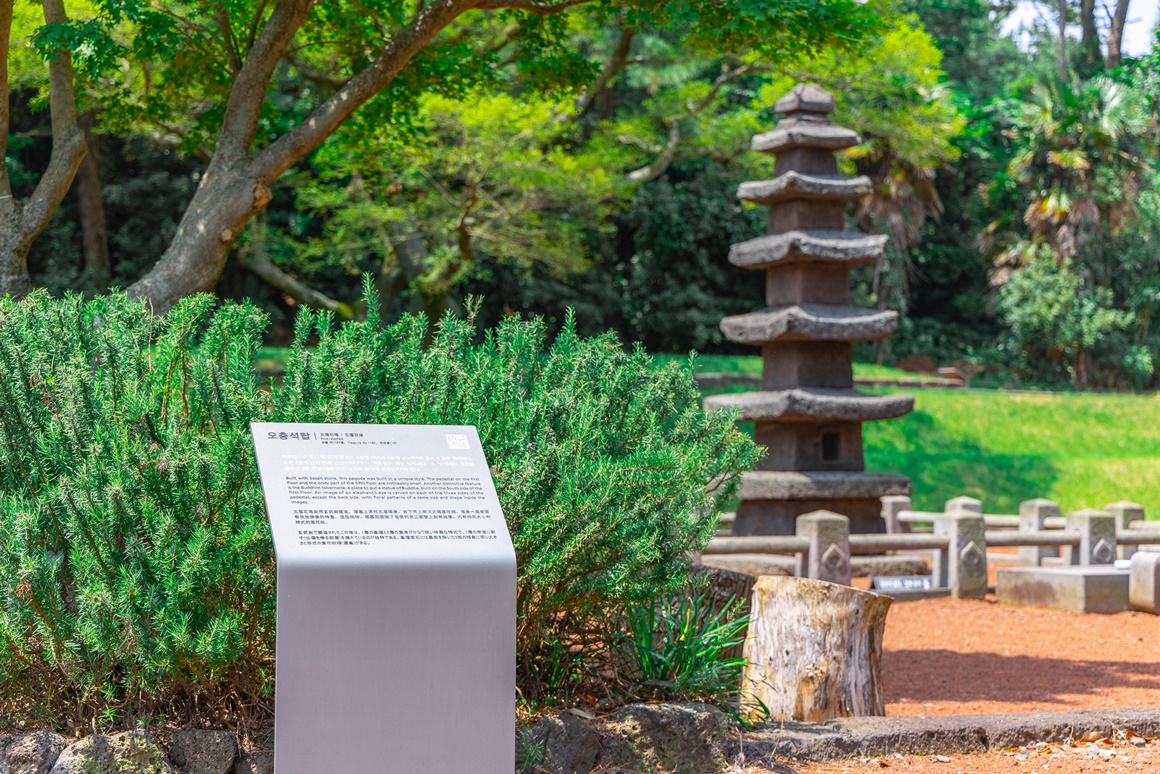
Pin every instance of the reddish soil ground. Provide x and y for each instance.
(1120, 757)
(951, 657)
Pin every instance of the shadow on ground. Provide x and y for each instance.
(950, 676)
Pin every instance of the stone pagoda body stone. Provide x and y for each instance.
(808, 413)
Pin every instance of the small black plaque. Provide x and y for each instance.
(902, 583)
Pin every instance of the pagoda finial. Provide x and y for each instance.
(805, 98)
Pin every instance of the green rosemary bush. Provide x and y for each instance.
(136, 568)
(608, 472)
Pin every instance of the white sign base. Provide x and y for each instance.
(396, 601)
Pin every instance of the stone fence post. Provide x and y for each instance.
(963, 569)
(1032, 517)
(892, 505)
(1097, 545)
(964, 504)
(828, 558)
(1124, 513)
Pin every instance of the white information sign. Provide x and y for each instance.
(396, 600)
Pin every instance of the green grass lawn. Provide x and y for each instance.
(1080, 449)
(1083, 450)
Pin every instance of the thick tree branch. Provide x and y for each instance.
(264, 268)
(530, 7)
(612, 67)
(662, 162)
(68, 140)
(288, 149)
(5, 36)
(240, 124)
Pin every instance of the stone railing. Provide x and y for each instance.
(957, 539)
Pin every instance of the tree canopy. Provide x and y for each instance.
(584, 153)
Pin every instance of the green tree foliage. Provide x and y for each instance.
(484, 173)
(135, 560)
(1055, 320)
(1080, 152)
(664, 281)
(1083, 159)
(255, 88)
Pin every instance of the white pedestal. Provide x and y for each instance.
(396, 601)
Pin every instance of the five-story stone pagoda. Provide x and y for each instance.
(808, 413)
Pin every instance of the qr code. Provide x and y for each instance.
(455, 441)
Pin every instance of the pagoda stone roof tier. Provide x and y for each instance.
(797, 185)
(793, 133)
(807, 246)
(839, 485)
(813, 404)
(810, 322)
(806, 98)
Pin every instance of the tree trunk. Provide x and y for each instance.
(814, 650)
(1116, 34)
(225, 200)
(94, 231)
(237, 185)
(14, 279)
(1091, 37)
(21, 222)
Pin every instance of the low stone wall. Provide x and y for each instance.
(192, 751)
(953, 735)
(679, 738)
(684, 738)
(694, 739)
(651, 738)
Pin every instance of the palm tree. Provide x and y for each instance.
(1081, 151)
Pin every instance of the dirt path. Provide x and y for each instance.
(949, 657)
(1119, 758)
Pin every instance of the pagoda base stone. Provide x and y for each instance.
(779, 517)
(771, 500)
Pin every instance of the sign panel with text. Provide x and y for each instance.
(396, 600)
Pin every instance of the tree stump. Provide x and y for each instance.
(814, 650)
